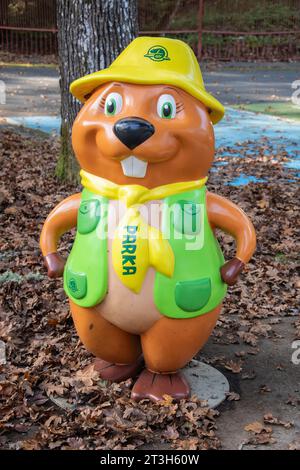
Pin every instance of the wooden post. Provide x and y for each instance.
(200, 27)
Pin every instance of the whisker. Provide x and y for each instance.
(179, 108)
(102, 103)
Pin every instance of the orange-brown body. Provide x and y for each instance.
(125, 325)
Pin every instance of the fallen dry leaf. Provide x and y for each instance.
(270, 419)
(233, 366)
(257, 428)
(232, 396)
(294, 446)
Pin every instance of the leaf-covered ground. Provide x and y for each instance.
(49, 399)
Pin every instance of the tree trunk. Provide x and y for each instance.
(91, 34)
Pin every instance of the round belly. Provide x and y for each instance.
(134, 313)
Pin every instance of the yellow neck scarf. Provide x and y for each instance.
(137, 245)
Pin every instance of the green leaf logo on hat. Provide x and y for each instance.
(157, 53)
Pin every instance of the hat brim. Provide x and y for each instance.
(83, 87)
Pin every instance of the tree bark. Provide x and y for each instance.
(91, 34)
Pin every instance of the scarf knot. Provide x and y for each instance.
(137, 245)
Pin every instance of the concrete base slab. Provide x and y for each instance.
(206, 382)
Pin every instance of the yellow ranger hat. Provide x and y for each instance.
(153, 61)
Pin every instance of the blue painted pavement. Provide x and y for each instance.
(236, 128)
(48, 124)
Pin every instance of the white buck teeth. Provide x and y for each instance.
(134, 167)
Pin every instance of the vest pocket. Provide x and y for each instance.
(191, 296)
(88, 216)
(186, 217)
(76, 283)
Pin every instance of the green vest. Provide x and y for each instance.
(196, 286)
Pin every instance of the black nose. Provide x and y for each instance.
(133, 131)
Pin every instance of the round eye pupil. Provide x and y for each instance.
(167, 110)
(111, 106)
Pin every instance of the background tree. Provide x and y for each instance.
(91, 33)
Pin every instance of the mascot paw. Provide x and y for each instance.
(55, 265)
(231, 270)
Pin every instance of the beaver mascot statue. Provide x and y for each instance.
(146, 276)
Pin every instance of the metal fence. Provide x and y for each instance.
(243, 29)
(228, 29)
(28, 27)
(179, 18)
(215, 29)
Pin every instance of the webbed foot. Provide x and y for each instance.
(155, 386)
(117, 372)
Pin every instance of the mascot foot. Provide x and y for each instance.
(155, 386)
(117, 372)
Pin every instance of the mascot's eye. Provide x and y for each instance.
(166, 107)
(113, 104)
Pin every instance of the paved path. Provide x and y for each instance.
(235, 83)
(35, 90)
(30, 91)
(274, 370)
